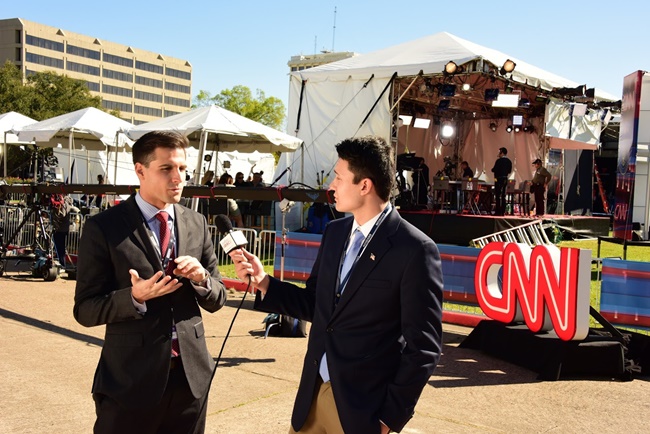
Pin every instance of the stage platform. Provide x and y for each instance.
(460, 229)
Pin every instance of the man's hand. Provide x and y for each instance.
(384, 428)
(247, 264)
(190, 268)
(146, 289)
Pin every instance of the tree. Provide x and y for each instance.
(41, 96)
(267, 111)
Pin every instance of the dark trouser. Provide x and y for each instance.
(500, 196)
(60, 238)
(178, 412)
(539, 199)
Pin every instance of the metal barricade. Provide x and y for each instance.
(530, 233)
(10, 218)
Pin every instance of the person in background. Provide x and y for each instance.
(240, 182)
(540, 180)
(208, 178)
(257, 179)
(374, 298)
(100, 197)
(234, 213)
(145, 269)
(61, 208)
(466, 171)
(502, 168)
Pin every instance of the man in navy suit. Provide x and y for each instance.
(376, 330)
(147, 282)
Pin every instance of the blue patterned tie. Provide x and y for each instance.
(351, 255)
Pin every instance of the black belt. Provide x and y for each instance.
(175, 363)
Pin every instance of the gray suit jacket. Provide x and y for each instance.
(383, 338)
(134, 364)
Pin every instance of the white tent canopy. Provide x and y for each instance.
(217, 129)
(334, 99)
(9, 122)
(85, 129)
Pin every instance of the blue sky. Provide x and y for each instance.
(250, 42)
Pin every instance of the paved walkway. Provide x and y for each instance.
(48, 361)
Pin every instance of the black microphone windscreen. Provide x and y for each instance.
(223, 223)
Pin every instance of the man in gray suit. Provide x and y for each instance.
(144, 269)
(374, 298)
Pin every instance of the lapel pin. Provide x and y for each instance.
(372, 256)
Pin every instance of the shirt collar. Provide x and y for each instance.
(149, 211)
(367, 226)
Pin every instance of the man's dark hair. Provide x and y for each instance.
(504, 151)
(145, 146)
(370, 157)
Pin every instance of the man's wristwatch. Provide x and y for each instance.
(205, 278)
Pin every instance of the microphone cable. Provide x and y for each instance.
(223, 345)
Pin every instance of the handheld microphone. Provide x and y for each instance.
(232, 239)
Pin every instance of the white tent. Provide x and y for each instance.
(217, 129)
(86, 129)
(359, 96)
(9, 122)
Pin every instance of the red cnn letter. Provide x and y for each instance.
(486, 282)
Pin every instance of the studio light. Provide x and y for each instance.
(446, 131)
(406, 119)
(517, 128)
(451, 68)
(508, 67)
(491, 94)
(510, 100)
(524, 102)
(422, 123)
(529, 129)
(509, 128)
(467, 87)
(493, 126)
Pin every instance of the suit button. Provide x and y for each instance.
(315, 362)
(330, 330)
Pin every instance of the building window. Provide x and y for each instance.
(169, 113)
(113, 105)
(92, 86)
(29, 72)
(115, 90)
(138, 122)
(149, 111)
(19, 36)
(44, 43)
(178, 73)
(148, 96)
(44, 60)
(19, 54)
(148, 67)
(118, 60)
(177, 101)
(177, 87)
(117, 75)
(83, 52)
(146, 81)
(84, 69)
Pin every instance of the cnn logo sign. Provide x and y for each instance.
(546, 287)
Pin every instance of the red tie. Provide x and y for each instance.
(164, 236)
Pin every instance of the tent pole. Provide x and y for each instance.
(197, 170)
(70, 141)
(87, 166)
(4, 154)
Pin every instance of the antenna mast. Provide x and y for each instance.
(334, 30)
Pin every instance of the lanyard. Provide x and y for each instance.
(341, 284)
(164, 259)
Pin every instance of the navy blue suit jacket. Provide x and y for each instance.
(383, 338)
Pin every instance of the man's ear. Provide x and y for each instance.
(139, 170)
(366, 185)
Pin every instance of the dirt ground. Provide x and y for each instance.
(48, 361)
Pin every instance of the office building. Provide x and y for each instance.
(306, 61)
(142, 85)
